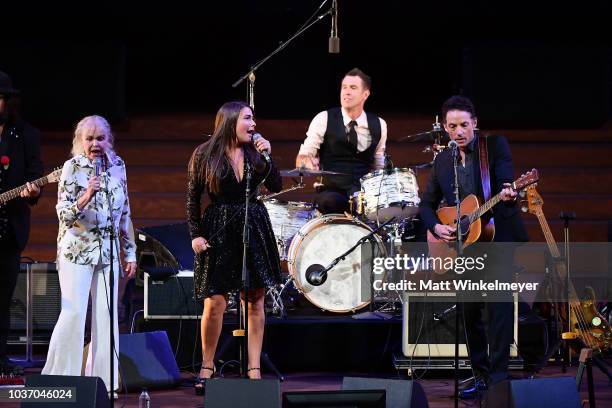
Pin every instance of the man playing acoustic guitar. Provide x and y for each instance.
(459, 119)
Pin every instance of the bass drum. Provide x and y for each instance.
(319, 242)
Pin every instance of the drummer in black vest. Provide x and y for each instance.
(347, 140)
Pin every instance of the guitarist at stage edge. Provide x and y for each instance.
(460, 122)
(20, 163)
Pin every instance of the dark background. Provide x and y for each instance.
(525, 65)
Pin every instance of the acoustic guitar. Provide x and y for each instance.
(586, 324)
(471, 224)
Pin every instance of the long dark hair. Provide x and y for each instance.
(209, 161)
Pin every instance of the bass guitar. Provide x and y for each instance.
(586, 324)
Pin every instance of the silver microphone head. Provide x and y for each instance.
(98, 166)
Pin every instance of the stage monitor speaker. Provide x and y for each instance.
(429, 326)
(45, 302)
(559, 392)
(335, 399)
(172, 298)
(400, 393)
(147, 360)
(90, 391)
(242, 393)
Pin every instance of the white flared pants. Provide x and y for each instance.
(65, 356)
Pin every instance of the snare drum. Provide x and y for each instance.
(319, 242)
(390, 194)
(287, 217)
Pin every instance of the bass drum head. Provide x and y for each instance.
(319, 242)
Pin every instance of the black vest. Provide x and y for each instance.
(336, 153)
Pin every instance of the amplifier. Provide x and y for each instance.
(171, 298)
(428, 327)
(37, 302)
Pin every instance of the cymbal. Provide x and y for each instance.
(304, 172)
(427, 135)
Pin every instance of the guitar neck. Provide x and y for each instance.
(550, 240)
(485, 207)
(14, 193)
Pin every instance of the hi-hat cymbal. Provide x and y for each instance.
(304, 172)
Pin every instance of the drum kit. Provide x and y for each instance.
(305, 237)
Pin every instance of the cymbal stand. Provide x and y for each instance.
(296, 187)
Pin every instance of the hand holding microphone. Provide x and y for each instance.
(262, 145)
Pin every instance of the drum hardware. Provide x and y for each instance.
(278, 306)
(436, 135)
(304, 172)
(269, 196)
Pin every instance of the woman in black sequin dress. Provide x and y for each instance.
(220, 167)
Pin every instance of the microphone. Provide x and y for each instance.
(264, 153)
(453, 144)
(99, 171)
(334, 40)
(98, 166)
(316, 274)
(444, 313)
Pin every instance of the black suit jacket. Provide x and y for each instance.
(22, 145)
(508, 223)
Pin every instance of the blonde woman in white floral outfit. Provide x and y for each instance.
(83, 250)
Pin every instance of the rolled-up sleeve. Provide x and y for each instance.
(314, 135)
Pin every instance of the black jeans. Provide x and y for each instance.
(9, 270)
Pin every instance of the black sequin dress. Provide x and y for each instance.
(218, 270)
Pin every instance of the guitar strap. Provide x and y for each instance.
(484, 167)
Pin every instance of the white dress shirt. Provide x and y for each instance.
(318, 126)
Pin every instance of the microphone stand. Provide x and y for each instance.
(111, 289)
(566, 217)
(459, 245)
(251, 72)
(244, 322)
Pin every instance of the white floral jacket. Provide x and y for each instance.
(84, 235)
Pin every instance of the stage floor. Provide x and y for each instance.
(438, 386)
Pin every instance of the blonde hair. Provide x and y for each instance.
(86, 122)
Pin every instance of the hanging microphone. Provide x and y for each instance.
(334, 40)
(264, 153)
